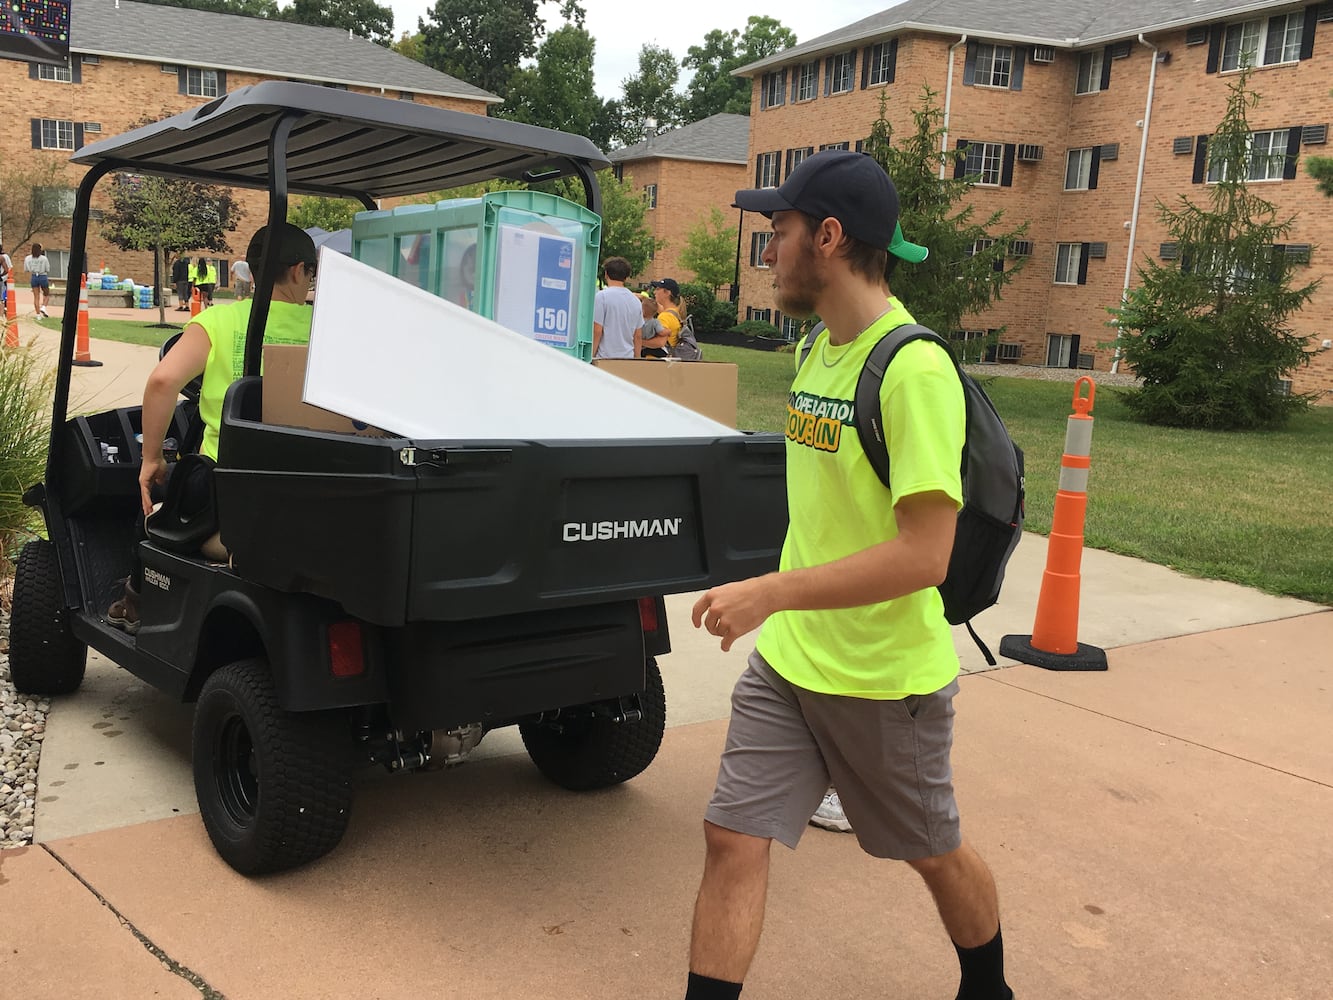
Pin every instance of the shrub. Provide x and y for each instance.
(756, 328)
(26, 385)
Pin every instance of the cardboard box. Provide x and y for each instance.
(707, 387)
(284, 385)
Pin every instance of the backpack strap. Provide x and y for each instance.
(807, 344)
(869, 417)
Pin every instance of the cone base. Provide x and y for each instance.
(86, 364)
(1020, 648)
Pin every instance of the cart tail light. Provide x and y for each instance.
(346, 656)
(648, 613)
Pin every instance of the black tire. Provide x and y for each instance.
(584, 753)
(273, 786)
(44, 656)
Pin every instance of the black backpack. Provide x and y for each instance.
(990, 522)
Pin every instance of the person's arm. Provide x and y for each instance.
(916, 559)
(638, 342)
(596, 338)
(184, 361)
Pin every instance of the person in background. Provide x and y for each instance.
(205, 279)
(617, 314)
(180, 280)
(213, 345)
(6, 266)
(243, 281)
(39, 270)
(671, 316)
(854, 672)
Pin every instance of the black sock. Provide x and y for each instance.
(983, 971)
(706, 988)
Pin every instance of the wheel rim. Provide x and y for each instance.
(236, 772)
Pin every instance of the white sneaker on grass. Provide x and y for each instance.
(829, 815)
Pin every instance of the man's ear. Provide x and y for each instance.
(828, 237)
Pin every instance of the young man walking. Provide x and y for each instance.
(853, 674)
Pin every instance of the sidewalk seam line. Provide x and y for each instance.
(1158, 732)
(206, 991)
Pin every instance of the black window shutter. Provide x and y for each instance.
(1074, 339)
(36, 133)
(866, 58)
(828, 76)
(970, 65)
(1083, 263)
(78, 135)
(34, 71)
(1106, 68)
(1007, 165)
(1016, 73)
(1307, 33)
(754, 249)
(758, 169)
(1200, 159)
(182, 80)
(1214, 47)
(1293, 151)
(1095, 168)
(788, 170)
(222, 82)
(997, 265)
(783, 89)
(893, 59)
(75, 69)
(959, 167)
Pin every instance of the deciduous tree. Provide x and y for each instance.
(712, 89)
(710, 251)
(35, 198)
(650, 94)
(623, 231)
(481, 42)
(364, 18)
(330, 214)
(557, 92)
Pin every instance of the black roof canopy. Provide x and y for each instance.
(343, 143)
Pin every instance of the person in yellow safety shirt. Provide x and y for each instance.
(213, 345)
(853, 675)
(670, 314)
(205, 279)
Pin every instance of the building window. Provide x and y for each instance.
(970, 345)
(171, 68)
(984, 161)
(650, 195)
(57, 133)
(842, 70)
(807, 81)
(758, 244)
(994, 64)
(759, 315)
(1089, 72)
(773, 88)
(201, 82)
(1068, 259)
(1266, 154)
(1078, 169)
(796, 156)
(880, 63)
(791, 329)
(406, 95)
(56, 74)
(59, 261)
(766, 170)
(57, 201)
(979, 246)
(835, 145)
(1060, 349)
(1263, 42)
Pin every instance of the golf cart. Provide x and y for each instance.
(386, 600)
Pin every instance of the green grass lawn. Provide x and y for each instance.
(1248, 507)
(127, 331)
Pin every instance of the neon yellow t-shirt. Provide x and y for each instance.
(288, 323)
(837, 506)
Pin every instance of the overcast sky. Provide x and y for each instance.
(621, 29)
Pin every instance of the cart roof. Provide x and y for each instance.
(343, 142)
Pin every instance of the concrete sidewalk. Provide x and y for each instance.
(1159, 831)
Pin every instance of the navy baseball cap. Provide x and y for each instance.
(839, 184)
(669, 284)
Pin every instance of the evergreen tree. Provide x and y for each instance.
(1207, 332)
(966, 269)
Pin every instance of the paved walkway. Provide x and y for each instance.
(1159, 831)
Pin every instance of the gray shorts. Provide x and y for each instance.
(889, 761)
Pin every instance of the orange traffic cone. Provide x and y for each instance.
(11, 313)
(1054, 643)
(196, 303)
(82, 352)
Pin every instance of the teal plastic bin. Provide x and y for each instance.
(526, 259)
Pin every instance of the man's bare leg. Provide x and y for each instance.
(964, 892)
(729, 912)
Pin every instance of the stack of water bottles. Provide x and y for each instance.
(143, 297)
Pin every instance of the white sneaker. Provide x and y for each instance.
(829, 815)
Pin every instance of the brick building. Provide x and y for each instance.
(683, 174)
(1080, 118)
(131, 61)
